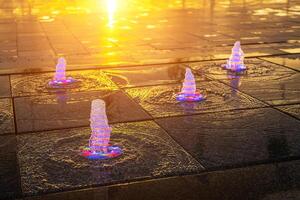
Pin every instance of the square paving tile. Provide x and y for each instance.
(279, 90)
(148, 75)
(236, 137)
(37, 84)
(65, 110)
(5, 86)
(264, 182)
(255, 68)
(291, 109)
(9, 175)
(263, 80)
(292, 61)
(51, 161)
(6, 116)
(160, 101)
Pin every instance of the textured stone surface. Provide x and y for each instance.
(5, 86)
(9, 168)
(256, 69)
(37, 84)
(236, 137)
(291, 109)
(273, 90)
(291, 61)
(148, 75)
(65, 110)
(160, 100)
(50, 161)
(6, 116)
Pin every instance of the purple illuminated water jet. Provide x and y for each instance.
(189, 91)
(236, 60)
(60, 80)
(99, 147)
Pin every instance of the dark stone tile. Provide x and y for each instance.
(6, 116)
(36, 84)
(5, 86)
(236, 137)
(147, 75)
(292, 61)
(160, 100)
(9, 170)
(99, 193)
(262, 182)
(274, 90)
(255, 69)
(291, 109)
(50, 161)
(65, 110)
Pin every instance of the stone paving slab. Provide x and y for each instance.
(9, 168)
(160, 101)
(6, 116)
(50, 161)
(275, 91)
(148, 75)
(65, 110)
(291, 61)
(291, 109)
(256, 69)
(5, 86)
(236, 138)
(37, 84)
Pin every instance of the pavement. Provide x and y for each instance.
(240, 143)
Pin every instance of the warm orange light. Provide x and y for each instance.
(111, 9)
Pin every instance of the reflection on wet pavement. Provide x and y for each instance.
(133, 54)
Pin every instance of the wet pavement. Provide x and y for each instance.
(241, 142)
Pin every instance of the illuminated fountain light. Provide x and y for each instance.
(189, 91)
(236, 60)
(60, 80)
(99, 147)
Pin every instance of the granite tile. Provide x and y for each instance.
(5, 86)
(274, 90)
(147, 75)
(37, 84)
(262, 182)
(6, 116)
(65, 110)
(9, 171)
(291, 109)
(256, 68)
(51, 161)
(160, 101)
(236, 138)
(291, 61)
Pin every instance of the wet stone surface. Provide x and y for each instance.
(4, 86)
(234, 138)
(50, 161)
(291, 109)
(9, 169)
(273, 90)
(37, 84)
(148, 75)
(161, 101)
(65, 110)
(291, 61)
(262, 182)
(6, 116)
(255, 69)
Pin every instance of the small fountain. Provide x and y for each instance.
(60, 80)
(236, 60)
(189, 91)
(99, 147)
